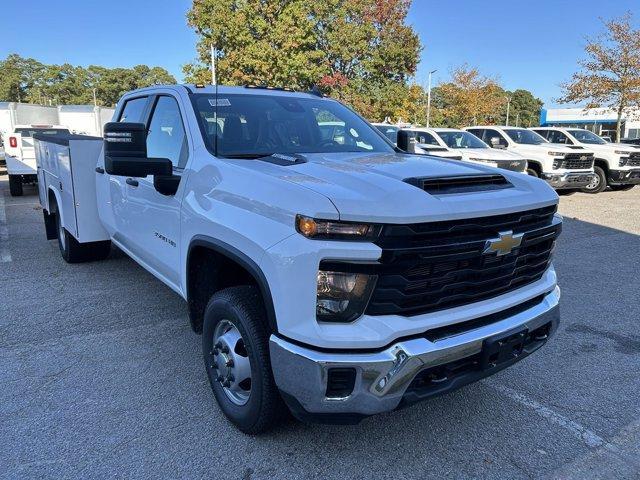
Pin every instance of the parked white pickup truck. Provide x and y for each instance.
(561, 166)
(20, 156)
(616, 164)
(458, 144)
(338, 279)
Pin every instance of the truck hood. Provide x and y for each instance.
(488, 154)
(557, 147)
(370, 187)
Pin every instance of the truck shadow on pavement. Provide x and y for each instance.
(102, 376)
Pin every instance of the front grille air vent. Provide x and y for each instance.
(460, 184)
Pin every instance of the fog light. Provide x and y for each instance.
(342, 296)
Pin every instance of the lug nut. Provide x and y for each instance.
(231, 378)
(219, 378)
(229, 363)
(224, 349)
(218, 345)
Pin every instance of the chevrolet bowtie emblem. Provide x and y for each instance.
(503, 245)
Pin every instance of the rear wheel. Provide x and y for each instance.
(75, 252)
(621, 188)
(599, 182)
(15, 185)
(235, 343)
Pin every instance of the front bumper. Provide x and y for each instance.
(625, 177)
(568, 180)
(407, 371)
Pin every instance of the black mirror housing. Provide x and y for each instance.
(407, 141)
(125, 152)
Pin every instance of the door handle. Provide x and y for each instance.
(132, 182)
(99, 170)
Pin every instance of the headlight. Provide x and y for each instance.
(623, 161)
(342, 296)
(335, 230)
(556, 154)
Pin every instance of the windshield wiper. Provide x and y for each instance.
(249, 156)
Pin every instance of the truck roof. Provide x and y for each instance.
(228, 90)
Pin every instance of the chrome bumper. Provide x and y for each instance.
(568, 180)
(382, 377)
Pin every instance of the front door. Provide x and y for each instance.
(154, 219)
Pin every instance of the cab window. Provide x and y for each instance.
(558, 137)
(133, 110)
(490, 133)
(166, 137)
(426, 138)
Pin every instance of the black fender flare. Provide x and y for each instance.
(243, 260)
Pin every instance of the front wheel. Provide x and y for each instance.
(235, 344)
(532, 172)
(598, 183)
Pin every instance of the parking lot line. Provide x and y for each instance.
(5, 255)
(590, 438)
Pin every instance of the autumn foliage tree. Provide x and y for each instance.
(360, 51)
(610, 74)
(469, 98)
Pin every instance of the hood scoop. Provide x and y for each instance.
(460, 184)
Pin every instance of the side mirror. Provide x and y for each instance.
(495, 142)
(125, 152)
(407, 141)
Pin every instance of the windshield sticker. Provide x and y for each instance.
(221, 102)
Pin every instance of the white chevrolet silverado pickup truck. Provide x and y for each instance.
(454, 143)
(617, 165)
(20, 156)
(562, 167)
(332, 279)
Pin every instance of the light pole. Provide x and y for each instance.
(429, 97)
(508, 105)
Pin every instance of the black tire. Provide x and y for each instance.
(243, 308)
(73, 251)
(532, 172)
(600, 184)
(565, 192)
(621, 188)
(15, 185)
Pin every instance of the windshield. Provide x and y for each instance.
(253, 126)
(28, 132)
(524, 136)
(585, 136)
(390, 132)
(461, 140)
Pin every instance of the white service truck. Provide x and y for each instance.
(461, 145)
(332, 279)
(20, 156)
(616, 165)
(562, 167)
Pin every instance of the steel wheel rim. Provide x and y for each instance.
(595, 182)
(231, 364)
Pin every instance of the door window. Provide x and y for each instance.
(166, 137)
(490, 133)
(558, 137)
(426, 138)
(133, 110)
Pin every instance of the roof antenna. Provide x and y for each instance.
(214, 82)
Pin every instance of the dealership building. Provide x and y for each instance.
(601, 121)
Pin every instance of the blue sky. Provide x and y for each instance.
(532, 45)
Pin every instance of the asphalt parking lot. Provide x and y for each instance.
(101, 376)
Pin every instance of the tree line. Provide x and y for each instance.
(28, 80)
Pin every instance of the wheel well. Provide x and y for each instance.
(598, 162)
(534, 166)
(211, 269)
